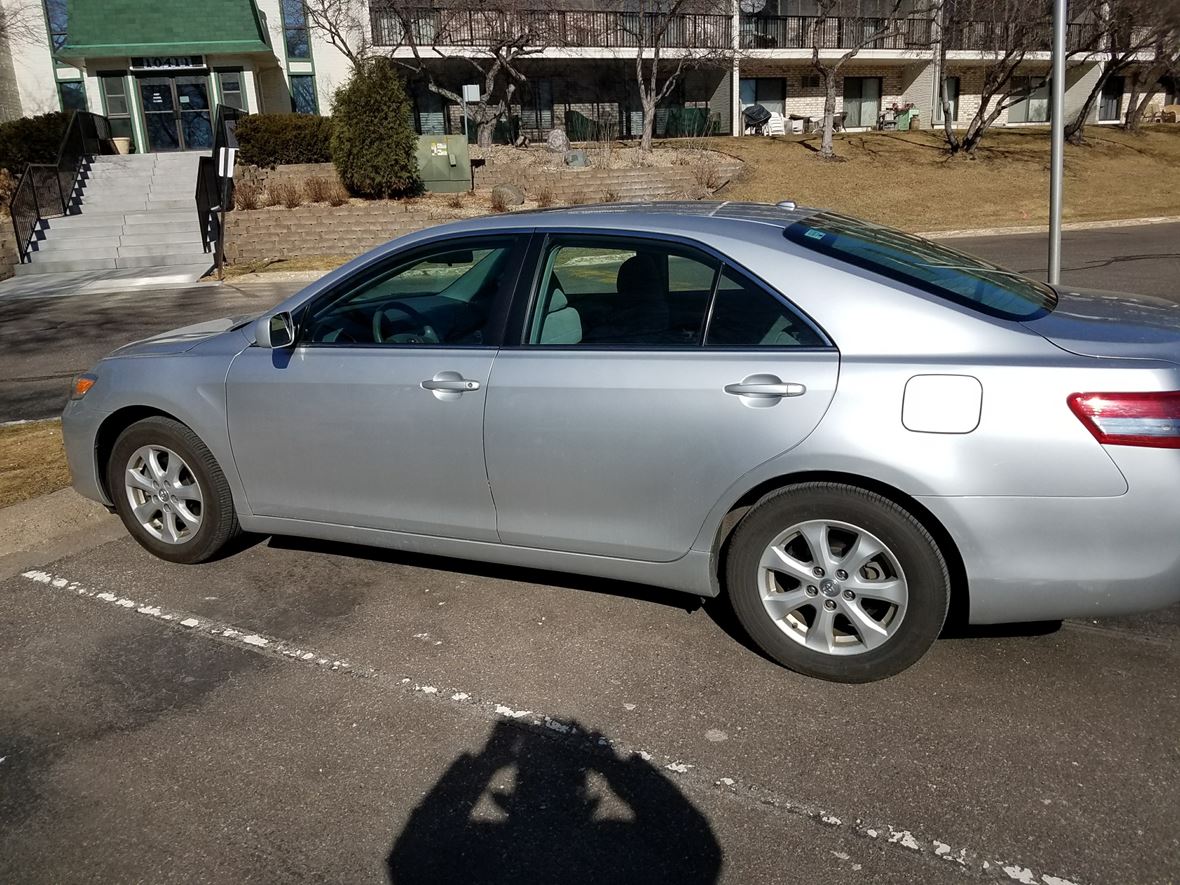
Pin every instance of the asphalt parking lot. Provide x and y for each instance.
(299, 711)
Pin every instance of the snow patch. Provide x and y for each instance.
(501, 710)
(255, 639)
(190, 622)
(678, 767)
(1020, 874)
(831, 820)
(904, 838)
(460, 696)
(426, 689)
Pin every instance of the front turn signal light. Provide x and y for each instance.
(82, 385)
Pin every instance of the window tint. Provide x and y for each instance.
(303, 97)
(746, 315)
(622, 294)
(936, 269)
(443, 296)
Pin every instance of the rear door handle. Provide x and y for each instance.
(456, 384)
(765, 386)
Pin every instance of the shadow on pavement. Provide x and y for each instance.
(527, 808)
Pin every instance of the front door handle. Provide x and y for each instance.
(766, 387)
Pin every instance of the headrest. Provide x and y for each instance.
(557, 300)
(638, 275)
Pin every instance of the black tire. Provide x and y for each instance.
(926, 577)
(218, 521)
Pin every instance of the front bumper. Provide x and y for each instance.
(79, 426)
(1032, 559)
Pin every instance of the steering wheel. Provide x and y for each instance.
(424, 335)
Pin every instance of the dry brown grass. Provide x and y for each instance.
(907, 179)
(248, 195)
(32, 461)
(276, 265)
(544, 198)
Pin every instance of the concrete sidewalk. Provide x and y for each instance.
(90, 282)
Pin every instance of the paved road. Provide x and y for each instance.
(44, 342)
(311, 712)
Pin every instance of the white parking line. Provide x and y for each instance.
(561, 730)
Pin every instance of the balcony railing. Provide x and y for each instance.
(833, 32)
(993, 36)
(547, 28)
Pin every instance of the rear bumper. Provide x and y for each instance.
(1030, 559)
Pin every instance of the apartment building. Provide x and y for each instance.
(159, 68)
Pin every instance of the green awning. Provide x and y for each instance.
(107, 28)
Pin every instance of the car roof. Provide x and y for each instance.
(716, 215)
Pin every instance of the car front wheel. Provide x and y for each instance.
(170, 492)
(837, 582)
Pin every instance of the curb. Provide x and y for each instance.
(1044, 228)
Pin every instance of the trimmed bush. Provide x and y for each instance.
(373, 142)
(270, 140)
(31, 140)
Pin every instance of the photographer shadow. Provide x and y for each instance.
(529, 807)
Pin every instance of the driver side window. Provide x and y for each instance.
(442, 295)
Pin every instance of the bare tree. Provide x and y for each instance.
(1123, 30)
(671, 37)
(1143, 84)
(343, 23)
(854, 25)
(21, 21)
(1006, 30)
(491, 40)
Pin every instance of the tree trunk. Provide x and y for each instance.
(825, 147)
(484, 132)
(952, 141)
(1075, 127)
(649, 123)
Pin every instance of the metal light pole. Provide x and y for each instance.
(1057, 160)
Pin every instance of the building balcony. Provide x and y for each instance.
(833, 32)
(996, 36)
(573, 28)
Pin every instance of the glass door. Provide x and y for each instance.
(176, 112)
(160, 122)
(192, 100)
(862, 101)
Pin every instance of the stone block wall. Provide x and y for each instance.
(354, 228)
(7, 248)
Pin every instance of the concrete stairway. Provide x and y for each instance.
(135, 211)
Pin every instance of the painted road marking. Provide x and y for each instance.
(558, 729)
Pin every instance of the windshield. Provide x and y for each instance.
(944, 272)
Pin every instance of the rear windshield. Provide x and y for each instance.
(936, 269)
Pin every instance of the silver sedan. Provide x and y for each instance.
(847, 430)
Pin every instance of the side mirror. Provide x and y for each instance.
(275, 330)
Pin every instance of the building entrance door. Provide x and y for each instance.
(176, 112)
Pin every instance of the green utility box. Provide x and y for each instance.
(444, 164)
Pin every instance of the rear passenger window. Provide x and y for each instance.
(746, 315)
(627, 293)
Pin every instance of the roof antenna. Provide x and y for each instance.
(789, 205)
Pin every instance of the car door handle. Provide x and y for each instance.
(765, 386)
(456, 384)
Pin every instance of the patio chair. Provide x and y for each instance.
(777, 125)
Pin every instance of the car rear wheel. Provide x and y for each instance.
(170, 492)
(837, 582)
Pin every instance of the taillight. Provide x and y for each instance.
(1131, 419)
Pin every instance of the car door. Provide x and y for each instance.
(649, 377)
(375, 417)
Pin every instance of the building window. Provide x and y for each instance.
(770, 92)
(1033, 107)
(303, 97)
(536, 105)
(114, 99)
(295, 29)
(1110, 107)
(229, 84)
(56, 16)
(72, 94)
(952, 95)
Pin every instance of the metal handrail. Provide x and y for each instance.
(215, 193)
(50, 186)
